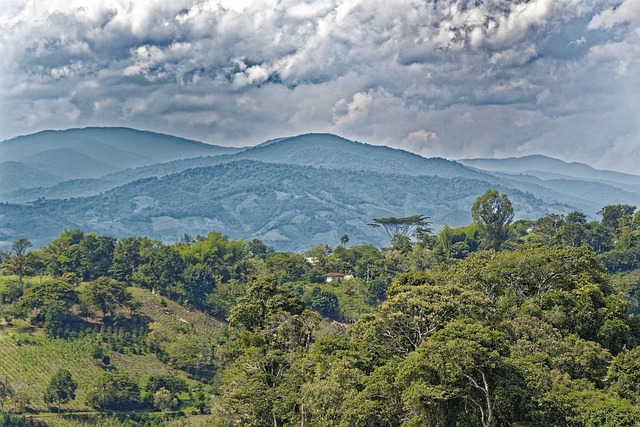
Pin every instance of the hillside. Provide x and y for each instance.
(290, 207)
(334, 152)
(28, 358)
(543, 313)
(315, 150)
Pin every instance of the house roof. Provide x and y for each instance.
(334, 275)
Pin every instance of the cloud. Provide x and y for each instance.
(346, 113)
(452, 78)
(626, 12)
(423, 142)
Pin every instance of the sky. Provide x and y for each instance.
(446, 78)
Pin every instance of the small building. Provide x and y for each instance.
(333, 277)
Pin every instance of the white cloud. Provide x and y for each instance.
(346, 113)
(626, 12)
(423, 142)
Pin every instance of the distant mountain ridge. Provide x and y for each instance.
(548, 167)
(291, 192)
(93, 152)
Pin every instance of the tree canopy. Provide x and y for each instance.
(405, 226)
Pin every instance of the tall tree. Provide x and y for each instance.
(114, 390)
(6, 390)
(94, 255)
(493, 213)
(61, 388)
(19, 261)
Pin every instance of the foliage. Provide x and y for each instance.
(114, 390)
(19, 260)
(405, 226)
(531, 332)
(493, 213)
(61, 388)
(107, 295)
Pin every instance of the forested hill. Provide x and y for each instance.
(290, 207)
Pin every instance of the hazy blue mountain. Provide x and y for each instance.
(334, 152)
(288, 206)
(291, 192)
(318, 150)
(68, 163)
(549, 168)
(62, 190)
(93, 152)
(16, 175)
(587, 196)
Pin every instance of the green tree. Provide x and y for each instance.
(493, 213)
(107, 295)
(270, 328)
(18, 262)
(51, 299)
(163, 271)
(164, 400)
(264, 300)
(324, 302)
(415, 310)
(624, 374)
(198, 281)
(59, 255)
(614, 217)
(114, 390)
(286, 267)
(462, 375)
(93, 256)
(128, 255)
(61, 388)
(6, 391)
(378, 401)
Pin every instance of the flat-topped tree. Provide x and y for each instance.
(407, 226)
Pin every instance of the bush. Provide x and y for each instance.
(116, 391)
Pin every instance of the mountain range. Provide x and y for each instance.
(292, 192)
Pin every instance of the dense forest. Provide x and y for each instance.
(498, 323)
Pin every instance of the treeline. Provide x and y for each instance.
(496, 323)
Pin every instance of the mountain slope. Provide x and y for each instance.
(290, 207)
(98, 151)
(17, 175)
(547, 167)
(334, 152)
(317, 150)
